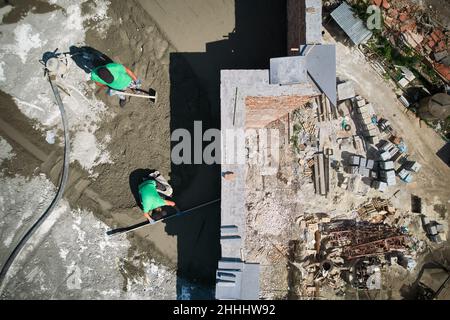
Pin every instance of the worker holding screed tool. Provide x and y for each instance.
(152, 192)
(117, 78)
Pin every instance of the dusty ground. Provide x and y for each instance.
(140, 132)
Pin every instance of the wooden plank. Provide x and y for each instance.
(316, 173)
(323, 190)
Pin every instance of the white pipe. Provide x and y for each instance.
(17, 100)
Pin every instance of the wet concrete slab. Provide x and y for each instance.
(18, 9)
(190, 24)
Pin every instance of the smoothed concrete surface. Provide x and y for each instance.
(190, 24)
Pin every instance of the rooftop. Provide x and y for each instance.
(351, 24)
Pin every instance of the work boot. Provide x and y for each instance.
(154, 174)
(122, 102)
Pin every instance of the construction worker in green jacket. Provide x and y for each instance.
(117, 78)
(151, 192)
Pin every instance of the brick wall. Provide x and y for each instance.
(261, 111)
(296, 25)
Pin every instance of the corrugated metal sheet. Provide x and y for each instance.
(351, 24)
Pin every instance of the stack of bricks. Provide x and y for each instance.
(363, 111)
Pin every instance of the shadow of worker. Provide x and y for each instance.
(135, 179)
(88, 58)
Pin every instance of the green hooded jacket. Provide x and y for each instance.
(150, 197)
(121, 78)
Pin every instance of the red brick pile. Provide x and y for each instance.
(262, 111)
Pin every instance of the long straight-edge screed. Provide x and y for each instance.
(146, 223)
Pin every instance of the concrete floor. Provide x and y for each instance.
(190, 24)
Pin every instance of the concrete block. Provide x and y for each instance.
(354, 160)
(361, 102)
(288, 70)
(436, 238)
(432, 230)
(413, 166)
(345, 90)
(403, 174)
(391, 182)
(387, 165)
(361, 110)
(230, 265)
(366, 118)
(394, 151)
(380, 185)
(362, 162)
(370, 110)
(229, 230)
(386, 146)
(389, 174)
(385, 156)
(374, 140)
(223, 275)
(409, 178)
(364, 172)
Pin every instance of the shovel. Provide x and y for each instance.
(150, 94)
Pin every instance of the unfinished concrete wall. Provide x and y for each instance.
(260, 111)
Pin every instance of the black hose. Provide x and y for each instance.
(59, 193)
